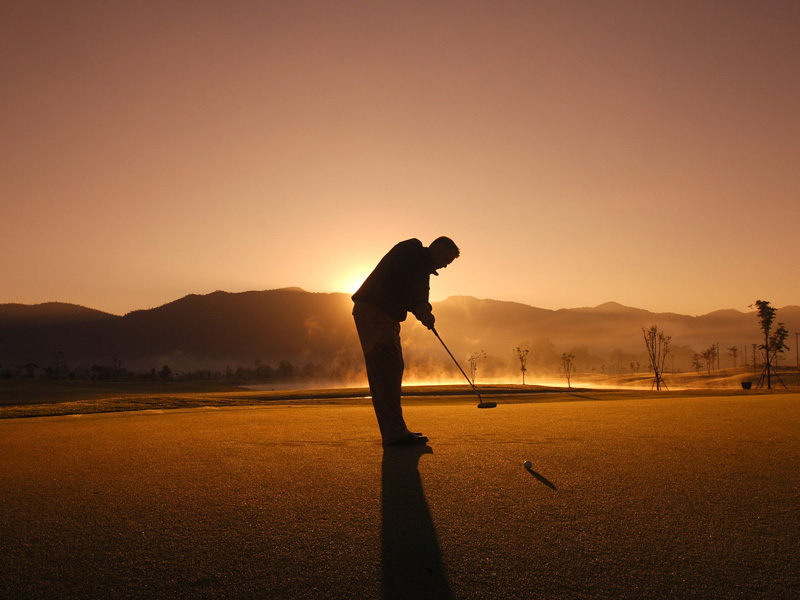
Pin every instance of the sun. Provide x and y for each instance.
(350, 281)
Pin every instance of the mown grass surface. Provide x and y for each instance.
(39, 398)
(631, 494)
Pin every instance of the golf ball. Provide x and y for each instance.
(528, 464)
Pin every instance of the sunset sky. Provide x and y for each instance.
(578, 152)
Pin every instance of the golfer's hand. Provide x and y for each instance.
(428, 320)
(424, 313)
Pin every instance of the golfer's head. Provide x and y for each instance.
(443, 251)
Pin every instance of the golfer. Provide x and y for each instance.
(398, 285)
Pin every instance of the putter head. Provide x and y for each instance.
(487, 404)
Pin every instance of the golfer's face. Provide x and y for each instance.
(443, 259)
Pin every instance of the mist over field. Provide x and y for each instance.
(291, 334)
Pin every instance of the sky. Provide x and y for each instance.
(578, 152)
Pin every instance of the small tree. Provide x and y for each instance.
(777, 346)
(733, 352)
(778, 340)
(697, 362)
(285, 371)
(473, 363)
(59, 367)
(618, 359)
(165, 373)
(774, 342)
(116, 367)
(766, 315)
(710, 356)
(566, 360)
(522, 355)
(657, 349)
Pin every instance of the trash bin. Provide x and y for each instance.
(746, 385)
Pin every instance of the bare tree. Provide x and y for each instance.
(522, 355)
(733, 352)
(116, 367)
(697, 362)
(617, 359)
(473, 363)
(566, 360)
(657, 349)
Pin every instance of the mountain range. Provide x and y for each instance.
(218, 329)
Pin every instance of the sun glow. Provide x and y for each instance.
(350, 281)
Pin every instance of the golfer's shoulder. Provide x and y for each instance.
(412, 245)
(406, 251)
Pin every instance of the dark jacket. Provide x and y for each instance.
(401, 281)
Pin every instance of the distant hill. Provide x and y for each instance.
(218, 329)
(209, 331)
(49, 313)
(598, 336)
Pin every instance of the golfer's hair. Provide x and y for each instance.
(446, 243)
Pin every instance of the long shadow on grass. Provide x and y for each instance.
(412, 560)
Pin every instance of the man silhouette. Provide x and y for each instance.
(399, 284)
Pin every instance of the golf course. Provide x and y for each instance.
(237, 494)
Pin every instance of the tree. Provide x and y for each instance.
(285, 371)
(617, 359)
(710, 356)
(777, 346)
(733, 352)
(697, 362)
(774, 342)
(265, 372)
(309, 372)
(766, 315)
(522, 355)
(778, 340)
(116, 367)
(566, 360)
(29, 368)
(165, 373)
(59, 367)
(473, 363)
(657, 349)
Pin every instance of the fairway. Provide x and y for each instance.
(636, 495)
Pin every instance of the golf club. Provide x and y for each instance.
(481, 403)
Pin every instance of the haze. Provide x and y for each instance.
(578, 152)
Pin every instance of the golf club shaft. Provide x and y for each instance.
(436, 333)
